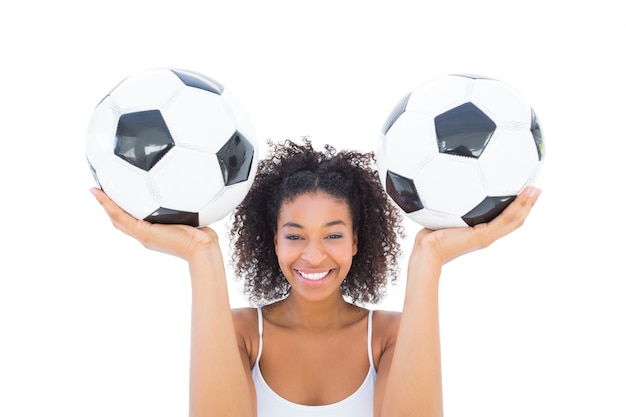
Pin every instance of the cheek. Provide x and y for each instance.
(284, 254)
(345, 255)
(281, 250)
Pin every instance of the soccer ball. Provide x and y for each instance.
(458, 149)
(172, 146)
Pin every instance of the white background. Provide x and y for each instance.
(92, 324)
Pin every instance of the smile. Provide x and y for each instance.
(316, 276)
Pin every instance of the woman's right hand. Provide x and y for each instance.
(179, 240)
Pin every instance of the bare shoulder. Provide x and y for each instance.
(244, 315)
(387, 316)
(386, 322)
(385, 326)
(245, 321)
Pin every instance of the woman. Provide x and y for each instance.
(315, 237)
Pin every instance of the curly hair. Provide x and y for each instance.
(292, 170)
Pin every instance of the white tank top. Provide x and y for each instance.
(359, 404)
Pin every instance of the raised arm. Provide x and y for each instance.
(219, 382)
(412, 375)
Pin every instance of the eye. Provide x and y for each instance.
(293, 237)
(334, 236)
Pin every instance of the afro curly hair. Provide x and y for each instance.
(292, 170)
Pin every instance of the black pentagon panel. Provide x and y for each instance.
(395, 113)
(464, 130)
(487, 210)
(168, 216)
(142, 138)
(197, 80)
(535, 129)
(402, 191)
(235, 159)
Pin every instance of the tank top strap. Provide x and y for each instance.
(260, 324)
(370, 355)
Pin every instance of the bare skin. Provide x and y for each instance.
(314, 329)
(315, 343)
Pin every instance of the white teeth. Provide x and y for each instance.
(314, 277)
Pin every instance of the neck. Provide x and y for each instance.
(323, 314)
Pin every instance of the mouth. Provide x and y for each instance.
(314, 276)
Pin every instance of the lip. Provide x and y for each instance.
(314, 282)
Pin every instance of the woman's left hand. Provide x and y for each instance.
(447, 244)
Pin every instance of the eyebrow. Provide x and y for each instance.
(329, 224)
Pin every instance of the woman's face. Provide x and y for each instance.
(315, 244)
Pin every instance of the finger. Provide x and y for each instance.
(104, 200)
(98, 193)
(515, 214)
(120, 218)
(523, 204)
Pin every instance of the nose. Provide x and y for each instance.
(314, 253)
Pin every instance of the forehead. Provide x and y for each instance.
(314, 208)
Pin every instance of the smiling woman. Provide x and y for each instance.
(347, 177)
(314, 239)
(315, 243)
(315, 234)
